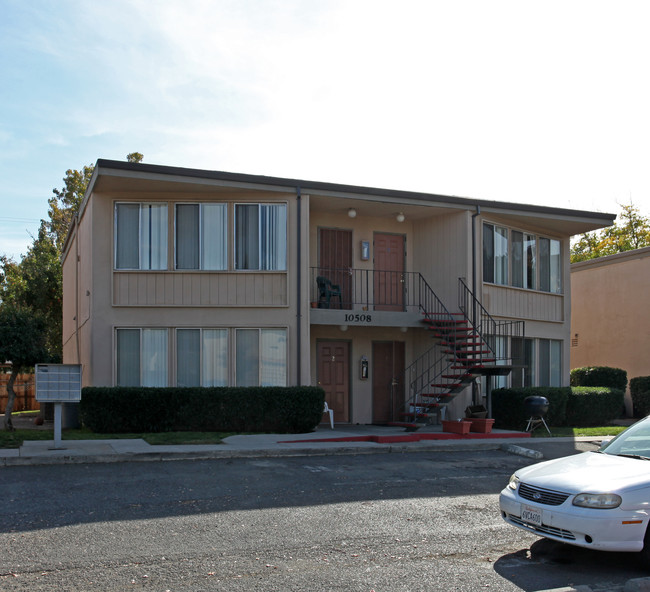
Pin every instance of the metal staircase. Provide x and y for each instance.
(466, 348)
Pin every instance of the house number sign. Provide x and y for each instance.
(358, 318)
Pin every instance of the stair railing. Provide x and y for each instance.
(432, 364)
(490, 330)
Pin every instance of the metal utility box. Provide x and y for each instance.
(58, 383)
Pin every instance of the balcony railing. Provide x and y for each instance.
(371, 289)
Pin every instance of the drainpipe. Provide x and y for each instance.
(76, 288)
(477, 213)
(299, 286)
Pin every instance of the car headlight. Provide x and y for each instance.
(514, 482)
(602, 501)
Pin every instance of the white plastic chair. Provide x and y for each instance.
(331, 412)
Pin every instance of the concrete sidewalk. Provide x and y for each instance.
(365, 439)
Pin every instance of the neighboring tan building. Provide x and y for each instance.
(178, 276)
(610, 319)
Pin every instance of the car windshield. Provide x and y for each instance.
(634, 442)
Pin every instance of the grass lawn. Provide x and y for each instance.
(579, 432)
(15, 439)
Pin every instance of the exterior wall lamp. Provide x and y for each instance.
(400, 217)
(352, 213)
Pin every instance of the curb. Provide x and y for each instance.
(520, 451)
(12, 457)
(14, 461)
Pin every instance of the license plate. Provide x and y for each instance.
(531, 515)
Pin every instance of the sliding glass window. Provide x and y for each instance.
(202, 236)
(261, 357)
(550, 362)
(202, 357)
(524, 260)
(261, 236)
(140, 236)
(495, 254)
(530, 263)
(141, 356)
(523, 355)
(550, 279)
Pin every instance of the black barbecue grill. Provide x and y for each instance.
(536, 408)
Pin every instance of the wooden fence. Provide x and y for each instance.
(25, 388)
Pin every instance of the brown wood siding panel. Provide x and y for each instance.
(522, 304)
(191, 289)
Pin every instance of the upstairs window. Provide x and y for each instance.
(140, 236)
(550, 279)
(261, 236)
(524, 260)
(515, 258)
(495, 254)
(202, 236)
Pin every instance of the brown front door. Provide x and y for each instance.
(389, 271)
(387, 380)
(335, 263)
(334, 376)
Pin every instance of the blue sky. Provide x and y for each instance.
(529, 102)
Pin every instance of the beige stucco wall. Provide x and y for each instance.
(251, 302)
(438, 243)
(610, 315)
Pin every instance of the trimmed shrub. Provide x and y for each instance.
(594, 406)
(640, 391)
(218, 409)
(508, 406)
(599, 376)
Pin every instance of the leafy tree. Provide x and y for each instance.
(631, 231)
(36, 283)
(22, 342)
(65, 202)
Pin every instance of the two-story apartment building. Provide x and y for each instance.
(186, 277)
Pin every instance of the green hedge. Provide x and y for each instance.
(218, 409)
(640, 391)
(567, 406)
(594, 406)
(599, 376)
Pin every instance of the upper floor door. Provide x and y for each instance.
(335, 261)
(389, 271)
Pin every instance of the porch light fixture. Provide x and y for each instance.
(343, 328)
(352, 213)
(400, 217)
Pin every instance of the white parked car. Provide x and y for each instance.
(598, 500)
